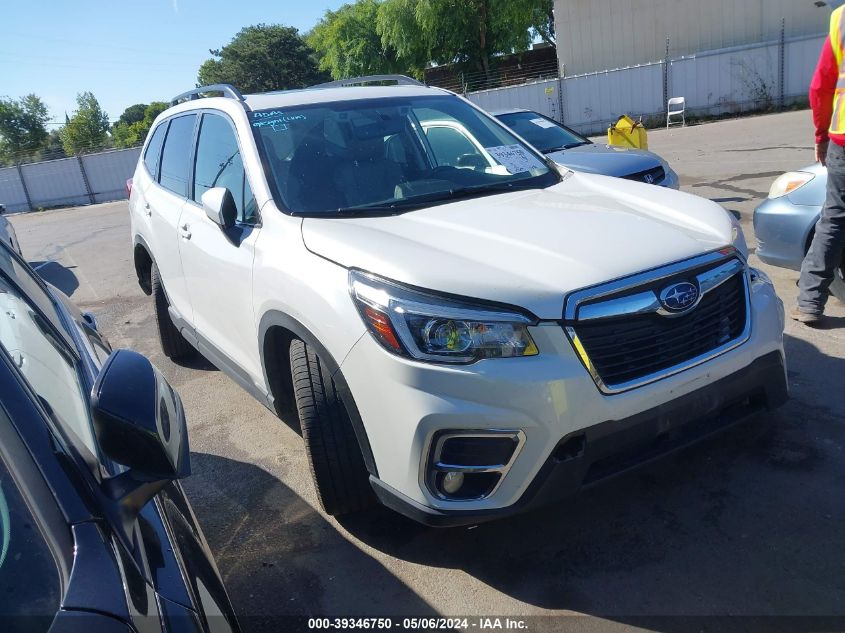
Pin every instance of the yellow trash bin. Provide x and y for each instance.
(627, 133)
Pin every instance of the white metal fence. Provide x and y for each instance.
(731, 80)
(68, 181)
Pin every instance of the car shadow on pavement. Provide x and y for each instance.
(280, 557)
(62, 277)
(748, 522)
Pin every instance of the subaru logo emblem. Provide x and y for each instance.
(648, 178)
(679, 297)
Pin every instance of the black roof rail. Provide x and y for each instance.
(401, 80)
(228, 90)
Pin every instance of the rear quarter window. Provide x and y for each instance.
(153, 152)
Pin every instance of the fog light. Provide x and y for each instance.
(452, 482)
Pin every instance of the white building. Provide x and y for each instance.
(596, 35)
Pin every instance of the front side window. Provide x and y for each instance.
(543, 133)
(219, 164)
(388, 154)
(30, 587)
(153, 151)
(46, 364)
(176, 156)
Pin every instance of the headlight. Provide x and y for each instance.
(427, 327)
(788, 182)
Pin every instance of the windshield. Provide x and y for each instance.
(389, 154)
(543, 133)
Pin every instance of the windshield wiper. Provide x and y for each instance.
(406, 204)
(567, 146)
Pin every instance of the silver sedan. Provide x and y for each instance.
(784, 224)
(568, 148)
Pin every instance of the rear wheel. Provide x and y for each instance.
(173, 344)
(338, 469)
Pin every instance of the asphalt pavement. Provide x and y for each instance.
(746, 524)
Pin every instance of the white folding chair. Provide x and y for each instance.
(681, 104)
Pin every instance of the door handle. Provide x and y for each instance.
(185, 232)
(147, 211)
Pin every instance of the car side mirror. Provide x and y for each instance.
(2, 209)
(219, 206)
(139, 422)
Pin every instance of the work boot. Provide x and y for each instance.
(804, 317)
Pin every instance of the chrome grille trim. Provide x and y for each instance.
(639, 303)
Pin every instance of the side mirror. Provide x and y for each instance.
(139, 422)
(220, 207)
(2, 209)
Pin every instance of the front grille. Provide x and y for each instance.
(652, 176)
(627, 348)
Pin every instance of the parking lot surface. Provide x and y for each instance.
(749, 523)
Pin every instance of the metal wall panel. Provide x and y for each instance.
(108, 171)
(11, 191)
(597, 34)
(541, 96)
(61, 182)
(736, 79)
(596, 100)
(56, 182)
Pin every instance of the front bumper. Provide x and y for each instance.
(782, 229)
(615, 446)
(549, 398)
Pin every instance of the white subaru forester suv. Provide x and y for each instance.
(467, 330)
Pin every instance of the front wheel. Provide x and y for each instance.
(337, 467)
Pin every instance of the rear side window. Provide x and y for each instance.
(153, 153)
(175, 159)
(219, 164)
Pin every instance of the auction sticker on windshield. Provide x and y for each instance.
(542, 123)
(515, 158)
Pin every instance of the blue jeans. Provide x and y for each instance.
(825, 252)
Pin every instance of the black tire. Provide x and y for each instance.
(173, 344)
(337, 467)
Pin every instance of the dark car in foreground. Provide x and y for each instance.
(568, 148)
(785, 222)
(95, 531)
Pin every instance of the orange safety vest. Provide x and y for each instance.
(837, 31)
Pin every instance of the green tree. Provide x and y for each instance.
(133, 134)
(23, 128)
(348, 43)
(467, 32)
(53, 148)
(262, 58)
(133, 114)
(86, 131)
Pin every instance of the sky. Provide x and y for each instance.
(125, 52)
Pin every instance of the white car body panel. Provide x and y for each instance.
(529, 248)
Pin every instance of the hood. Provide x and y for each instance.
(528, 248)
(608, 160)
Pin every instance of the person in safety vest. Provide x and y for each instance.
(827, 99)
